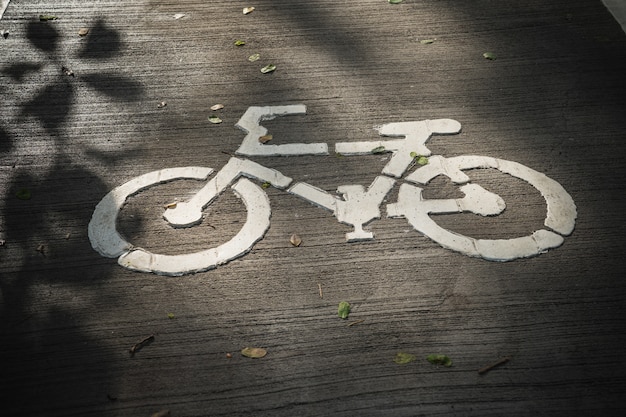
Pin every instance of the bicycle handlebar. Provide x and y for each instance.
(422, 128)
(413, 138)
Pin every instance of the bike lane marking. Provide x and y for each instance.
(357, 207)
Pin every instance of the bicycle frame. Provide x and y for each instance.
(358, 207)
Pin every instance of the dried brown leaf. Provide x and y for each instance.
(295, 240)
(252, 352)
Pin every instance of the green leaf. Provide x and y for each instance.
(254, 57)
(379, 149)
(427, 41)
(215, 119)
(23, 194)
(255, 353)
(170, 315)
(402, 358)
(489, 55)
(395, 1)
(239, 42)
(438, 359)
(422, 160)
(266, 185)
(46, 17)
(268, 68)
(344, 309)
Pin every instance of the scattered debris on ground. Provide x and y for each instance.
(138, 346)
(295, 240)
(343, 310)
(438, 359)
(252, 352)
(489, 367)
(402, 358)
(66, 71)
(268, 68)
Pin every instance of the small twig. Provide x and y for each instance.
(488, 368)
(320, 288)
(137, 346)
(355, 322)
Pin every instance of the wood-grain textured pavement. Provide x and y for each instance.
(553, 99)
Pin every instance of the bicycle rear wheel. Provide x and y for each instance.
(107, 241)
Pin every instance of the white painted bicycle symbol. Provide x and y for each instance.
(357, 207)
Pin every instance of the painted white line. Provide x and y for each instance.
(102, 230)
(618, 10)
(250, 123)
(3, 7)
(257, 222)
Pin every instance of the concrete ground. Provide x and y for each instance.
(82, 114)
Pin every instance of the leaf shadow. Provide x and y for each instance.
(42, 35)
(102, 42)
(115, 86)
(51, 106)
(6, 142)
(19, 70)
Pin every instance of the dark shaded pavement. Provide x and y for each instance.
(553, 99)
